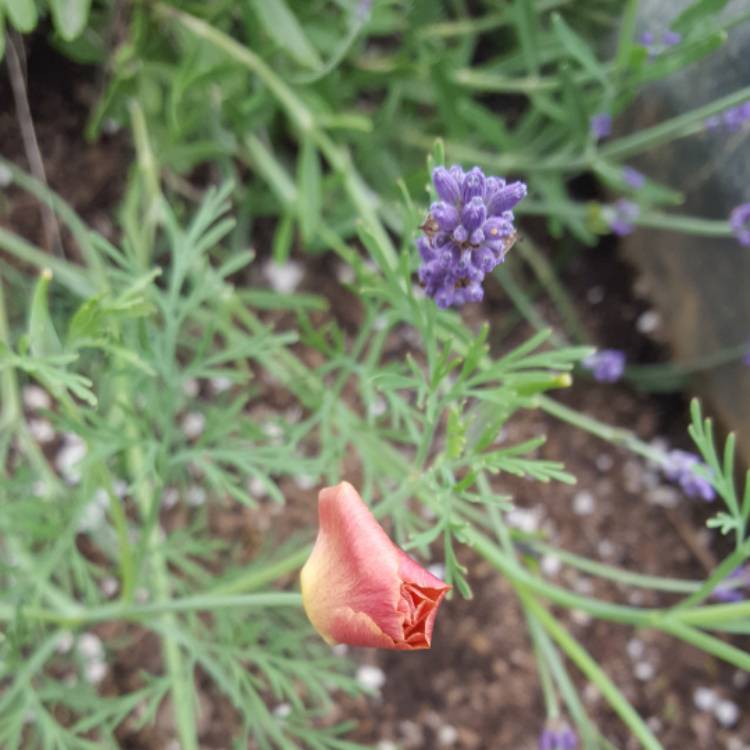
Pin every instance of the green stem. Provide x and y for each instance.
(614, 435)
(708, 643)
(613, 573)
(683, 125)
(258, 576)
(581, 658)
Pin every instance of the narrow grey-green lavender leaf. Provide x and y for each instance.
(283, 27)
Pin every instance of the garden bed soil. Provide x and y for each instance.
(477, 688)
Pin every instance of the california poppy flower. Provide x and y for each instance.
(358, 587)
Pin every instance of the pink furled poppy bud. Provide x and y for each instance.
(360, 588)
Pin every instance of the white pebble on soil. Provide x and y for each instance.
(169, 497)
(193, 425)
(635, 648)
(648, 322)
(191, 387)
(704, 698)
(604, 462)
(583, 503)
(68, 457)
(727, 713)
(36, 398)
(285, 277)
(551, 565)
(523, 519)
(644, 670)
(195, 495)
(370, 678)
(42, 430)
(447, 735)
(220, 384)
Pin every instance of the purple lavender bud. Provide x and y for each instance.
(474, 214)
(739, 221)
(426, 251)
(476, 238)
(646, 38)
(473, 186)
(445, 215)
(474, 292)
(606, 365)
(561, 737)
(601, 125)
(732, 119)
(740, 577)
(506, 198)
(680, 466)
(362, 10)
(669, 38)
(712, 122)
(496, 228)
(446, 185)
(491, 186)
(623, 215)
(460, 234)
(444, 297)
(484, 259)
(633, 178)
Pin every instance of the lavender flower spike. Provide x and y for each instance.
(670, 38)
(601, 125)
(467, 233)
(607, 365)
(560, 737)
(739, 221)
(680, 468)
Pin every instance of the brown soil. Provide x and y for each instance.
(477, 687)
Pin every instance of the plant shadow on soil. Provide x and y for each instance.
(477, 687)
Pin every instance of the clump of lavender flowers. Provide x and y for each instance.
(679, 468)
(606, 365)
(739, 221)
(467, 233)
(560, 737)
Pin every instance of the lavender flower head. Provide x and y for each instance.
(606, 365)
(622, 216)
(739, 221)
(601, 125)
(670, 38)
(561, 737)
(679, 468)
(467, 233)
